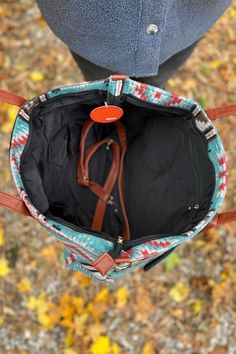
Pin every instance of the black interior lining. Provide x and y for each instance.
(167, 168)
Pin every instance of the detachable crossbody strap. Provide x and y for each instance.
(104, 192)
(15, 204)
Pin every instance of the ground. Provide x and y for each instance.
(184, 305)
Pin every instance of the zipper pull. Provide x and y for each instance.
(115, 252)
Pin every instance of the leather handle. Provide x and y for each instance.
(7, 200)
(13, 203)
(221, 112)
(221, 219)
(11, 98)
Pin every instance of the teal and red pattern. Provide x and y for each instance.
(82, 249)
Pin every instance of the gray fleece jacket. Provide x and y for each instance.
(132, 37)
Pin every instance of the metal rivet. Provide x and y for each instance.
(152, 29)
(196, 206)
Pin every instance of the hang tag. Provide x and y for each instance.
(106, 114)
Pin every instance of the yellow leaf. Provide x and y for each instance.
(101, 346)
(78, 304)
(4, 269)
(115, 349)
(1, 320)
(69, 340)
(42, 305)
(32, 304)
(197, 306)
(103, 295)
(45, 320)
(232, 12)
(24, 285)
(215, 64)
(82, 279)
(12, 113)
(148, 348)
(179, 292)
(122, 296)
(1, 237)
(36, 76)
(69, 351)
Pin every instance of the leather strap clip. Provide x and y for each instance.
(105, 263)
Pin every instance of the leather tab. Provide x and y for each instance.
(104, 263)
(118, 77)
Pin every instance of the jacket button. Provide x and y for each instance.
(152, 29)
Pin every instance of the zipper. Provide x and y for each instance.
(105, 236)
(115, 252)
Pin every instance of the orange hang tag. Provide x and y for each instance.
(106, 114)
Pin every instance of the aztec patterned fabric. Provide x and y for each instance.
(82, 249)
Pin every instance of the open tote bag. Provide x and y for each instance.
(121, 172)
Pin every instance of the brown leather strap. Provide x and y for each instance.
(13, 203)
(116, 171)
(107, 189)
(222, 218)
(11, 98)
(220, 112)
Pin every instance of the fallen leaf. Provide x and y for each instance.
(122, 297)
(82, 279)
(36, 76)
(148, 348)
(1, 236)
(102, 345)
(179, 292)
(197, 306)
(103, 295)
(215, 64)
(4, 269)
(24, 285)
(69, 351)
(172, 261)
